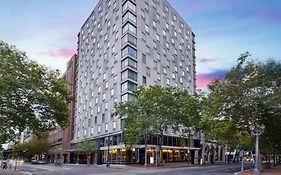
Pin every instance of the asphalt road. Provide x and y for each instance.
(225, 169)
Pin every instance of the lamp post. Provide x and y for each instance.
(256, 131)
(108, 144)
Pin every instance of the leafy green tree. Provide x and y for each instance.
(87, 147)
(32, 96)
(37, 146)
(248, 95)
(155, 110)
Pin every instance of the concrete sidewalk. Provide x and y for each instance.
(13, 172)
(272, 171)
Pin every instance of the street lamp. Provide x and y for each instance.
(108, 144)
(256, 131)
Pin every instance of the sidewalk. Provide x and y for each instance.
(13, 172)
(272, 171)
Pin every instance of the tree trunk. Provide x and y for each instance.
(88, 159)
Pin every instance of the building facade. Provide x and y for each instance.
(59, 140)
(122, 45)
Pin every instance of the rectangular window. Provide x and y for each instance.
(144, 80)
(129, 28)
(129, 63)
(129, 5)
(129, 51)
(129, 74)
(128, 38)
(129, 16)
(129, 86)
(144, 58)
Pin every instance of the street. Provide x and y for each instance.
(50, 169)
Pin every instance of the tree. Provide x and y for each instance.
(248, 95)
(32, 96)
(155, 110)
(87, 147)
(37, 146)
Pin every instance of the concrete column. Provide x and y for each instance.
(203, 153)
(223, 153)
(219, 153)
(196, 157)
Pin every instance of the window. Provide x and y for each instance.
(103, 96)
(146, 28)
(129, 74)
(99, 129)
(158, 56)
(129, 16)
(92, 130)
(106, 127)
(129, 28)
(154, 24)
(158, 17)
(114, 125)
(98, 108)
(129, 51)
(181, 80)
(112, 92)
(129, 62)
(148, 71)
(85, 132)
(157, 37)
(102, 118)
(142, 13)
(168, 81)
(144, 58)
(106, 85)
(106, 106)
(129, 86)
(128, 38)
(165, 70)
(128, 97)
(143, 36)
(129, 5)
(164, 33)
(144, 80)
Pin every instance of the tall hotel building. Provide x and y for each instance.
(122, 45)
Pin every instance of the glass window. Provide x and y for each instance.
(129, 28)
(129, 51)
(129, 86)
(144, 58)
(128, 38)
(130, 63)
(144, 80)
(129, 16)
(129, 74)
(129, 5)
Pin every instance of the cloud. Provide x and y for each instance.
(206, 60)
(203, 80)
(268, 15)
(61, 53)
(194, 6)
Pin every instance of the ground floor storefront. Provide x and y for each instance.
(136, 155)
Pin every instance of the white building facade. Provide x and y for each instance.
(122, 45)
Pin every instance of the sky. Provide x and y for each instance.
(47, 30)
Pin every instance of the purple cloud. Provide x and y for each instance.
(268, 15)
(61, 53)
(197, 5)
(206, 60)
(203, 80)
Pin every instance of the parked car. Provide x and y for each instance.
(249, 159)
(38, 162)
